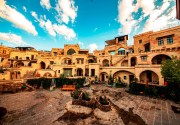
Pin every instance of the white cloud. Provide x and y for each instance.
(24, 8)
(92, 47)
(13, 16)
(68, 33)
(80, 43)
(46, 4)
(66, 10)
(158, 17)
(125, 9)
(12, 38)
(54, 29)
(146, 5)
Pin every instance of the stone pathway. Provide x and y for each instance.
(42, 107)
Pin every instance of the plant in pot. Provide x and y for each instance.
(103, 104)
(76, 94)
(85, 96)
(103, 100)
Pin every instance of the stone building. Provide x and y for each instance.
(141, 60)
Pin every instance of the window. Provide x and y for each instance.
(125, 77)
(71, 51)
(143, 58)
(140, 41)
(112, 52)
(55, 53)
(51, 62)
(58, 71)
(160, 42)
(121, 51)
(27, 58)
(169, 40)
(92, 72)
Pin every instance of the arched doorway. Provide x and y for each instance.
(43, 65)
(158, 59)
(79, 72)
(149, 77)
(133, 61)
(124, 76)
(105, 62)
(47, 74)
(71, 51)
(90, 61)
(104, 76)
(124, 63)
(19, 64)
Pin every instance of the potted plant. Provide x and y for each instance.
(76, 97)
(103, 104)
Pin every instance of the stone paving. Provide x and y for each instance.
(42, 107)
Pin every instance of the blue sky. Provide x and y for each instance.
(46, 24)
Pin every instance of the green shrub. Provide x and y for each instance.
(103, 100)
(46, 82)
(85, 96)
(121, 84)
(76, 94)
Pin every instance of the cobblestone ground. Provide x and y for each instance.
(42, 107)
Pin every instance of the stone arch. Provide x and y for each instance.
(30, 63)
(79, 72)
(71, 51)
(90, 61)
(104, 76)
(124, 76)
(19, 64)
(157, 59)
(105, 62)
(148, 76)
(43, 65)
(47, 74)
(124, 63)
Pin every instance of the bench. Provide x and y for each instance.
(69, 87)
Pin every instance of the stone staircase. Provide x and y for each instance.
(29, 74)
(119, 60)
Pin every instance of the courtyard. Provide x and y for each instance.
(43, 107)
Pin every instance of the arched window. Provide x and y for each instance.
(121, 51)
(71, 51)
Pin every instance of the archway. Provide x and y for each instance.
(104, 76)
(43, 65)
(124, 63)
(79, 72)
(105, 62)
(124, 76)
(158, 59)
(149, 77)
(71, 51)
(19, 64)
(90, 61)
(47, 74)
(133, 61)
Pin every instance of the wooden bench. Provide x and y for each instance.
(69, 87)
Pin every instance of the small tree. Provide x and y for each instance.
(170, 70)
